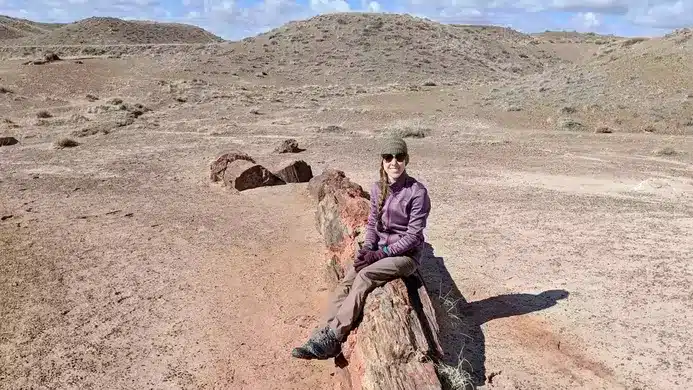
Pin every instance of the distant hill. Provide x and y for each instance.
(12, 28)
(100, 31)
(627, 84)
(364, 47)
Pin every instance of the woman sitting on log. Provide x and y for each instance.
(399, 210)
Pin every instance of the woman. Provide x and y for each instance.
(392, 249)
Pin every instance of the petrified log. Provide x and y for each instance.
(218, 166)
(294, 171)
(341, 217)
(397, 337)
(244, 175)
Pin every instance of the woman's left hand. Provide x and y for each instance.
(369, 258)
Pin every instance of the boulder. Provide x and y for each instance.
(396, 341)
(218, 166)
(294, 171)
(288, 146)
(244, 175)
(7, 141)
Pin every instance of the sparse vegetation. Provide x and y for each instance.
(666, 151)
(66, 143)
(43, 114)
(454, 377)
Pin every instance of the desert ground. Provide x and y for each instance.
(560, 170)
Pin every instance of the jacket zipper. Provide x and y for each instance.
(387, 220)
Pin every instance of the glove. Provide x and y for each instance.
(365, 249)
(369, 258)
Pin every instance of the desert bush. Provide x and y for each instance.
(667, 151)
(66, 143)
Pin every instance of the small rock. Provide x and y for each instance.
(244, 175)
(51, 57)
(288, 146)
(294, 171)
(7, 141)
(91, 98)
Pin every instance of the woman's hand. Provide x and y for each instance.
(367, 258)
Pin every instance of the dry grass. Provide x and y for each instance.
(410, 129)
(43, 114)
(453, 377)
(667, 151)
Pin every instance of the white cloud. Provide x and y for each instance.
(323, 6)
(373, 6)
(586, 21)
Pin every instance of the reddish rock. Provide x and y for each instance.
(294, 171)
(332, 180)
(218, 167)
(399, 330)
(244, 175)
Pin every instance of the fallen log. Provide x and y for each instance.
(396, 341)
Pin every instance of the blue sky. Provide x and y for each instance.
(236, 19)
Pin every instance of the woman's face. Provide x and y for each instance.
(393, 165)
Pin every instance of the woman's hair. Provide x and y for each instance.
(384, 189)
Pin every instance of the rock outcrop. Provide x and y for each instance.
(396, 341)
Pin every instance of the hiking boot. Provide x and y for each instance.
(322, 345)
(306, 351)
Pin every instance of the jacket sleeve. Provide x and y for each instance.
(418, 217)
(371, 238)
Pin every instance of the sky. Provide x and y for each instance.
(237, 19)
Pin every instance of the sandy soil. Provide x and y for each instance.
(567, 253)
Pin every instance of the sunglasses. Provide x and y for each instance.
(399, 156)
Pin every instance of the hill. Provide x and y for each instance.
(114, 31)
(12, 28)
(636, 84)
(387, 48)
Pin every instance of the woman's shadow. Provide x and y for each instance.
(460, 321)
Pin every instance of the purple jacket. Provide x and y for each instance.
(405, 213)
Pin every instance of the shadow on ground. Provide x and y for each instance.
(460, 320)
